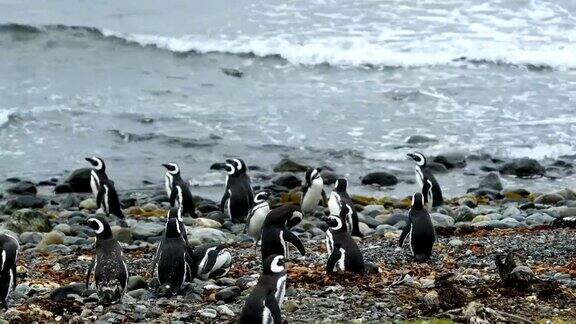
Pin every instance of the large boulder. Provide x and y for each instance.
(451, 160)
(491, 181)
(380, 179)
(77, 181)
(523, 168)
(22, 188)
(21, 202)
(198, 235)
(144, 230)
(28, 220)
(420, 139)
(287, 180)
(287, 165)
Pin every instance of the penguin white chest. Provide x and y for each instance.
(334, 204)
(180, 197)
(257, 220)
(341, 264)
(94, 183)
(168, 184)
(329, 242)
(312, 196)
(419, 177)
(281, 289)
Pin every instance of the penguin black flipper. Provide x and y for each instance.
(90, 268)
(436, 193)
(290, 237)
(99, 197)
(404, 234)
(355, 225)
(333, 259)
(324, 199)
(224, 201)
(272, 304)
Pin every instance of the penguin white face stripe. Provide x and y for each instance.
(295, 215)
(99, 163)
(336, 184)
(100, 228)
(338, 221)
(175, 168)
(275, 267)
(230, 169)
(238, 164)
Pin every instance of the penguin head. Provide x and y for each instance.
(172, 168)
(97, 163)
(312, 174)
(100, 227)
(418, 158)
(274, 264)
(235, 167)
(417, 201)
(341, 185)
(261, 197)
(173, 228)
(175, 212)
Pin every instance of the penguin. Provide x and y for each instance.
(343, 253)
(173, 267)
(210, 261)
(340, 197)
(238, 196)
(97, 174)
(176, 214)
(10, 249)
(276, 231)
(177, 189)
(264, 303)
(110, 270)
(312, 191)
(257, 215)
(419, 229)
(106, 196)
(427, 183)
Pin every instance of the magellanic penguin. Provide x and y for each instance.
(312, 191)
(9, 248)
(264, 303)
(210, 260)
(110, 270)
(257, 215)
(177, 190)
(173, 267)
(427, 183)
(176, 214)
(276, 231)
(106, 196)
(238, 196)
(338, 198)
(343, 253)
(420, 230)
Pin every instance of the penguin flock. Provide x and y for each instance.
(175, 262)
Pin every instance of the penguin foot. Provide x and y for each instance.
(370, 268)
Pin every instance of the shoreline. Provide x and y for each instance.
(472, 229)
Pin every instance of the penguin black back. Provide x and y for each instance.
(178, 190)
(343, 252)
(9, 249)
(420, 230)
(110, 270)
(264, 303)
(276, 231)
(238, 196)
(173, 268)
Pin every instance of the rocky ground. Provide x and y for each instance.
(460, 283)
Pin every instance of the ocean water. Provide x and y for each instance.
(338, 83)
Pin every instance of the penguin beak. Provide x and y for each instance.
(324, 219)
(165, 165)
(91, 160)
(412, 156)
